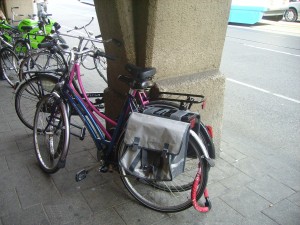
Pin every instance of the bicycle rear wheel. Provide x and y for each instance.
(29, 93)
(9, 66)
(42, 61)
(51, 134)
(168, 196)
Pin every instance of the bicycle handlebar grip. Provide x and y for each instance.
(98, 36)
(125, 79)
(102, 54)
(45, 45)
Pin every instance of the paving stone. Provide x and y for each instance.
(245, 201)
(9, 202)
(106, 196)
(216, 174)
(252, 167)
(20, 160)
(79, 160)
(109, 216)
(287, 176)
(270, 189)
(26, 144)
(236, 181)
(7, 148)
(216, 189)
(284, 212)
(3, 164)
(230, 154)
(4, 127)
(226, 167)
(14, 178)
(295, 198)
(220, 214)
(36, 193)
(66, 184)
(135, 214)
(258, 218)
(34, 215)
(67, 210)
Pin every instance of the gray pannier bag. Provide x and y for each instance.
(155, 147)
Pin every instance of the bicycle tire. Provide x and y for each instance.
(51, 133)
(9, 65)
(168, 196)
(21, 48)
(101, 64)
(43, 61)
(29, 92)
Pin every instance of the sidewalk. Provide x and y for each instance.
(243, 188)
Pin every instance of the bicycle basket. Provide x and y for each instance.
(155, 147)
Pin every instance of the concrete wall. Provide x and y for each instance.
(183, 39)
(25, 7)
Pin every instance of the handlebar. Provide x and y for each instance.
(80, 28)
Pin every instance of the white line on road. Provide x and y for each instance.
(271, 50)
(263, 90)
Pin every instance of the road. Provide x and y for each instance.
(262, 98)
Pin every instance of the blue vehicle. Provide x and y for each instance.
(252, 11)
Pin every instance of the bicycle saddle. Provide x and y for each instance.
(26, 28)
(140, 74)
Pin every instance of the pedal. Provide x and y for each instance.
(103, 169)
(81, 175)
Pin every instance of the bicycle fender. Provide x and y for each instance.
(203, 148)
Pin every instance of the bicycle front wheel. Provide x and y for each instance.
(9, 66)
(168, 196)
(51, 134)
(29, 93)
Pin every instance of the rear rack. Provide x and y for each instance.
(185, 100)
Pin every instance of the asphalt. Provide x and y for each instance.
(243, 189)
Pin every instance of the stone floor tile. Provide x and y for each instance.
(287, 176)
(245, 201)
(252, 167)
(32, 215)
(284, 213)
(7, 148)
(66, 184)
(9, 202)
(270, 189)
(295, 198)
(236, 181)
(135, 214)
(109, 216)
(216, 189)
(79, 160)
(37, 193)
(20, 160)
(258, 218)
(67, 210)
(14, 178)
(216, 174)
(3, 164)
(106, 196)
(226, 167)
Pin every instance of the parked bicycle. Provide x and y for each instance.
(98, 63)
(52, 136)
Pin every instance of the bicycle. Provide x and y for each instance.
(99, 63)
(29, 92)
(52, 129)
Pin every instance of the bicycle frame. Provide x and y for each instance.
(88, 112)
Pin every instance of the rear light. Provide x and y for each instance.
(203, 104)
(192, 123)
(210, 131)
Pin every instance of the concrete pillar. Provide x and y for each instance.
(26, 7)
(183, 39)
